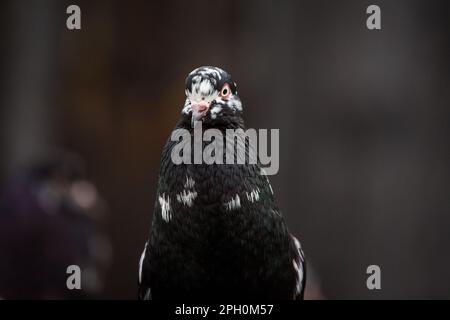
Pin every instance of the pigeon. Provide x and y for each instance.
(217, 231)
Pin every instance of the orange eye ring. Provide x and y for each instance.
(225, 93)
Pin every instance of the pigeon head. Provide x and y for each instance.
(211, 97)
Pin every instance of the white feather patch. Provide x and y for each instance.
(215, 111)
(187, 197)
(187, 106)
(234, 203)
(190, 183)
(276, 212)
(253, 196)
(299, 248)
(141, 261)
(298, 266)
(236, 104)
(206, 88)
(268, 182)
(165, 207)
(299, 270)
(202, 90)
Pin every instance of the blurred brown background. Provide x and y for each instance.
(363, 117)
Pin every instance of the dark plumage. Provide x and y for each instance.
(217, 231)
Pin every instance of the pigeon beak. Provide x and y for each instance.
(199, 110)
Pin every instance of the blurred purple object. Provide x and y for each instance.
(46, 225)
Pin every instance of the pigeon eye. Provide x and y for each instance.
(225, 92)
